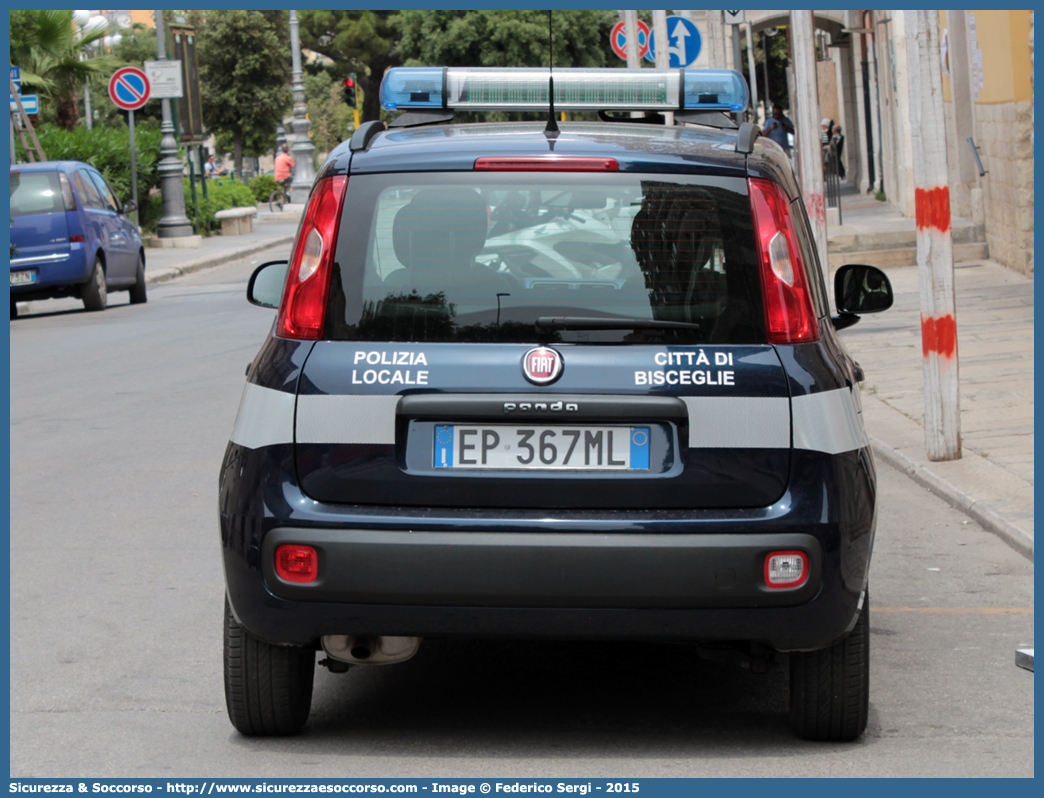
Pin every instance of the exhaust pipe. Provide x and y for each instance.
(363, 647)
(370, 649)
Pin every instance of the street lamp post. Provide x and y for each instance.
(303, 150)
(174, 223)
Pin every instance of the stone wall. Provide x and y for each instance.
(1004, 133)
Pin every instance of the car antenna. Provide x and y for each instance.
(551, 131)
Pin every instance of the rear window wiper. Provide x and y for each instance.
(614, 323)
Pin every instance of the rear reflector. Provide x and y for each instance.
(546, 163)
(786, 569)
(303, 311)
(296, 563)
(76, 239)
(789, 315)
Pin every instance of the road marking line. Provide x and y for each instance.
(960, 610)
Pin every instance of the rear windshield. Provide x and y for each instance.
(35, 192)
(481, 256)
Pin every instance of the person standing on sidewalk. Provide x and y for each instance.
(284, 169)
(778, 126)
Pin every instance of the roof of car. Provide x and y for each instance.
(636, 147)
(49, 166)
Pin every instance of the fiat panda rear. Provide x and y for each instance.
(542, 381)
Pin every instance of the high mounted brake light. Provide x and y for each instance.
(546, 163)
(496, 89)
(303, 311)
(789, 315)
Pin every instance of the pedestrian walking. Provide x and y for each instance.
(837, 141)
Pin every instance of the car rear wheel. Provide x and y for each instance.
(14, 309)
(830, 689)
(95, 295)
(268, 689)
(137, 292)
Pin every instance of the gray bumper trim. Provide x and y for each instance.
(483, 569)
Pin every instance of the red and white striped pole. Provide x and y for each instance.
(806, 126)
(942, 420)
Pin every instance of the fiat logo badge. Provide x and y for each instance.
(542, 365)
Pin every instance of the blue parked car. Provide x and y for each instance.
(71, 236)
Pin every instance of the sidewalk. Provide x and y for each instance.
(993, 480)
(270, 230)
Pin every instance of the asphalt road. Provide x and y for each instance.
(118, 424)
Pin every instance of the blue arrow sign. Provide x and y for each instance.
(683, 43)
(16, 76)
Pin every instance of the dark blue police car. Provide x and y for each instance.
(542, 380)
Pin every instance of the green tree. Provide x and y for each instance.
(327, 111)
(505, 38)
(54, 62)
(136, 46)
(364, 42)
(244, 72)
(777, 67)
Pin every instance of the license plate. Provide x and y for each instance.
(504, 447)
(23, 278)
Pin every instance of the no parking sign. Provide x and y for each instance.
(129, 88)
(618, 39)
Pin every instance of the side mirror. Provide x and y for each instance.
(265, 288)
(129, 207)
(860, 289)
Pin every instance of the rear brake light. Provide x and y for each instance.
(76, 239)
(296, 563)
(786, 569)
(546, 163)
(789, 315)
(303, 311)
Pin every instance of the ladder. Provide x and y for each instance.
(20, 124)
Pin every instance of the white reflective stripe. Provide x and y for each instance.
(828, 422)
(265, 418)
(738, 422)
(346, 419)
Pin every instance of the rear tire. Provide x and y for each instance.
(95, 294)
(268, 689)
(830, 689)
(138, 292)
(14, 309)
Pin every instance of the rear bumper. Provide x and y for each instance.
(693, 575)
(538, 569)
(53, 276)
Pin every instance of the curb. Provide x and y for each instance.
(986, 517)
(169, 273)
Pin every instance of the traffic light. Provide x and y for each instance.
(349, 90)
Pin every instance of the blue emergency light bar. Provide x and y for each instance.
(496, 89)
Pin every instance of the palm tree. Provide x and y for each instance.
(46, 45)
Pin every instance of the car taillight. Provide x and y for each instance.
(76, 239)
(786, 569)
(296, 563)
(789, 315)
(303, 310)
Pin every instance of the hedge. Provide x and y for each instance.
(108, 151)
(263, 186)
(220, 195)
